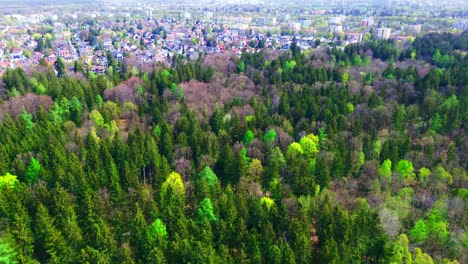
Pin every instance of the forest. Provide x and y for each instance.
(354, 155)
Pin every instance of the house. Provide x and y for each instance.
(98, 69)
(37, 56)
(383, 33)
(118, 55)
(367, 22)
(305, 22)
(107, 42)
(62, 53)
(334, 20)
(354, 37)
(16, 55)
(415, 29)
(460, 25)
(51, 58)
(335, 28)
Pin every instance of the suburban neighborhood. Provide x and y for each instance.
(143, 35)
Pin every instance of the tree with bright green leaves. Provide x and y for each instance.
(208, 176)
(322, 135)
(7, 252)
(436, 123)
(175, 186)
(385, 170)
(310, 145)
(270, 136)
(96, 117)
(289, 65)
(274, 255)
(406, 171)
(27, 118)
(419, 232)
(205, 211)
(33, 171)
(437, 227)
(442, 175)
(156, 231)
(267, 202)
(294, 150)
(400, 250)
(244, 158)
(357, 160)
(421, 258)
(368, 78)
(357, 60)
(8, 181)
(248, 137)
(240, 67)
(424, 175)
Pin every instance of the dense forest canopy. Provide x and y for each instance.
(354, 155)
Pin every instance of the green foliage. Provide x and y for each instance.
(175, 186)
(270, 136)
(312, 166)
(406, 170)
(437, 227)
(294, 150)
(401, 253)
(322, 135)
(357, 60)
(267, 201)
(243, 154)
(33, 170)
(240, 67)
(421, 258)
(309, 145)
(157, 230)
(419, 232)
(349, 108)
(369, 78)
(8, 181)
(27, 118)
(385, 169)
(444, 61)
(345, 78)
(255, 170)
(436, 123)
(96, 117)
(105, 167)
(424, 174)
(208, 176)
(289, 65)
(248, 137)
(7, 252)
(99, 101)
(442, 175)
(165, 73)
(205, 211)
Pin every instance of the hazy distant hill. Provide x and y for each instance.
(43, 2)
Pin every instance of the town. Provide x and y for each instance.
(109, 36)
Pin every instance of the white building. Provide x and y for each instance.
(383, 33)
(335, 28)
(461, 25)
(209, 15)
(16, 55)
